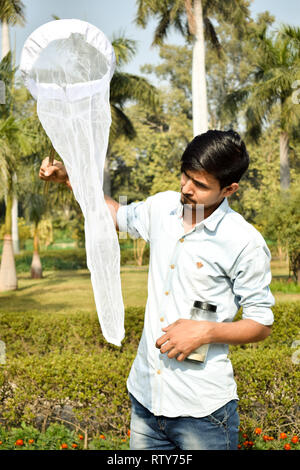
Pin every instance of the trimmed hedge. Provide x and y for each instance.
(59, 367)
(72, 259)
(53, 260)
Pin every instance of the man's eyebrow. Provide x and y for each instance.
(197, 182)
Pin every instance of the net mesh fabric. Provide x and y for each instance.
(67, 65)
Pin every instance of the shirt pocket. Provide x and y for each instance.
(205, 278)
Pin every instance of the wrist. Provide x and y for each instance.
(213, 332)
(67, 183)
(204, 331)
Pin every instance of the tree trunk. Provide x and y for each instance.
(36, 265)
(15, 231)
(284, 161)
(8, 273)
(199, 92)
(138, 249)
(5, 39)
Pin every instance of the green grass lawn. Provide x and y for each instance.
(64, 291)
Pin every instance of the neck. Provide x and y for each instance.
(193, 215)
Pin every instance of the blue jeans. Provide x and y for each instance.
(218, 431)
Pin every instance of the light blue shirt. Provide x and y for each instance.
(223, 260)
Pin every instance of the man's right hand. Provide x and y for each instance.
(55, 172)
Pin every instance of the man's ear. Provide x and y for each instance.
(231, 189)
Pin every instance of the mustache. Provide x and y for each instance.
(186, 197)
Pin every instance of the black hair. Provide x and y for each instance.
(222, 154)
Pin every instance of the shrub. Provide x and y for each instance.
(72, 258)
(267, 381)
(53, 260)
(258, 439)
(60, 368)
(55, 437)
(58, 437)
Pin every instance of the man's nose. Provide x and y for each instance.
(187, 186)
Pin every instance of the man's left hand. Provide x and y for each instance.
(184, 336)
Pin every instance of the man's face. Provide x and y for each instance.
(200, 187)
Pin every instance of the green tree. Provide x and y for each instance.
(150, 162)
(274, 70)
(125, 88)
(194, 20)
(36, 207)
(281, 222)
(12, 141)
(11, 13)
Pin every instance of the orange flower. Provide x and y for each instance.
(270, 438)
(0, 443)
(30, 441)
(287, 446)
(294, 439)
(19, 442)
(74, 446)
(80, 437)
(239, 446)
(64, 446)
(248, 443)
(102, 436)
(245, 436)
(283, 436)
(258, 430)
(265, 438)
(124, 440)
(128, 433)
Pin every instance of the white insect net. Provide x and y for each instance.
(67, 65)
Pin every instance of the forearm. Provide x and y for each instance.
(239, 332)
(113, 207)
(111, 203)
(185, 335)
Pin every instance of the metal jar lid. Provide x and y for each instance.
(205, 306)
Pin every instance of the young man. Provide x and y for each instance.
(200, 249)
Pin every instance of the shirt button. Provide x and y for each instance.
(172, 266)
(181, 240)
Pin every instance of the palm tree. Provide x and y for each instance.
(8, 133)
(192, 18)
(276, 68)
(36, 206)
(12, 142)
(11, 13)
(124, 88)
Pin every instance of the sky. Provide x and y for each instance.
(115, 17)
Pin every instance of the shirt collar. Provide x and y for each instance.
(210, 222)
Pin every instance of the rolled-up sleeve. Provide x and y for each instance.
(250, 280)
(134, 218)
